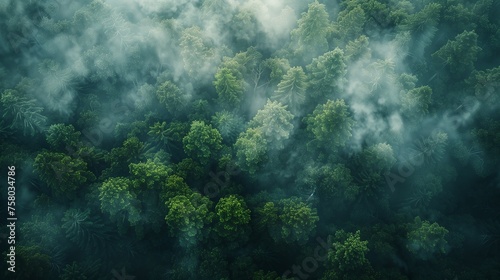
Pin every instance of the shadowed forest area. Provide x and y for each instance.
(250, 140)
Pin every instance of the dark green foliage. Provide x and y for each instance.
(73, 272)
(171, 97)
(118, 198)
(84, 230)
(62, 137)
(426, 239)
(251, 140)
(348, 252)
(289, 220)
(415, 103)
(64, 174)
(274, 121)
(326, 73)
(36, 264)
(461, 53)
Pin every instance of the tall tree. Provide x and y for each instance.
(292, 88)
(64, 174)
(310, 36)
(229, 87)
(461, 53)
(331, 123)
(426, 239)
(326, 73)
(251, 149)
(187, 217)
(275, 122)
(233, 217)
(202, 141)
(171, 97)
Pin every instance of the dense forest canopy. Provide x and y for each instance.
(259, 140)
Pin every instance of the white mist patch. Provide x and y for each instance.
(276, 18)
(396, 122)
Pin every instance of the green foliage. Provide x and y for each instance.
(289, 221)
(331, 182)
(73, 272)
(298, 220)
(85, 230)
(202, 141)
(23, 113)
(119, 158)
(331, 123)
(62, 173)
(348, 254)
(461, 53)
(187, 216)
(379, 157)
(229, 87)
(228, 124)
(171, 97)
(326, 72)
(36, 264)
(189, 168)
(275, 123)
(195, 53)
(117, 197)
(174, 186)
(349, 24)
(263, 275)
(149, 174)
(357, 49)
(292, 88)
(62, 137)
(312, 32)
(251, 149)
(426, 18)
(278, 67)
(233, 217)
(426, 239)
(415, 103)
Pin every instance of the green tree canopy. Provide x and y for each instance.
(62, 137)
(229, 87)
(118, 198)
(292, 88)
(202, 141)
(331, 123)
(312, 31)
(461, 53)
(233, 217)
(275, 123)
(251, 149)
(326, 72)
(347, 257)
(187, 217)
(64, 174)
(426, 239)
(170, 96)
(415, 103)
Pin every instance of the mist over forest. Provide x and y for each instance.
(250, 140)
